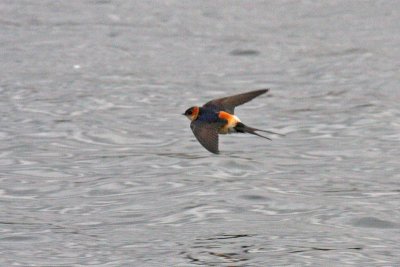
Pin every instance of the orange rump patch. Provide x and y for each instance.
(225, 115)
(231, 121)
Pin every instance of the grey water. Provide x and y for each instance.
(99, 168)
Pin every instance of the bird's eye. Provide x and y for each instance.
(190, 112)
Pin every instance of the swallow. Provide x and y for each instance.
(217, 117)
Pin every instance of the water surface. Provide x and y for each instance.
(98, 167)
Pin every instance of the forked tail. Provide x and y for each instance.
(241, 128)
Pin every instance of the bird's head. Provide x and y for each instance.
(192, 113)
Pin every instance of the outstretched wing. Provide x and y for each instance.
(229, 103)
(207, 134)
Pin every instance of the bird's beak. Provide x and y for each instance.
(183, 114)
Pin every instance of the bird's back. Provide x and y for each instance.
(208, 115)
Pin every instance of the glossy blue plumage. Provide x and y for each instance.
(208, 115)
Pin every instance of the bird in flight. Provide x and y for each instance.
(217, 117)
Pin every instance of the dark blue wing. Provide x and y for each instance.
(207, 134)
(229, 103)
